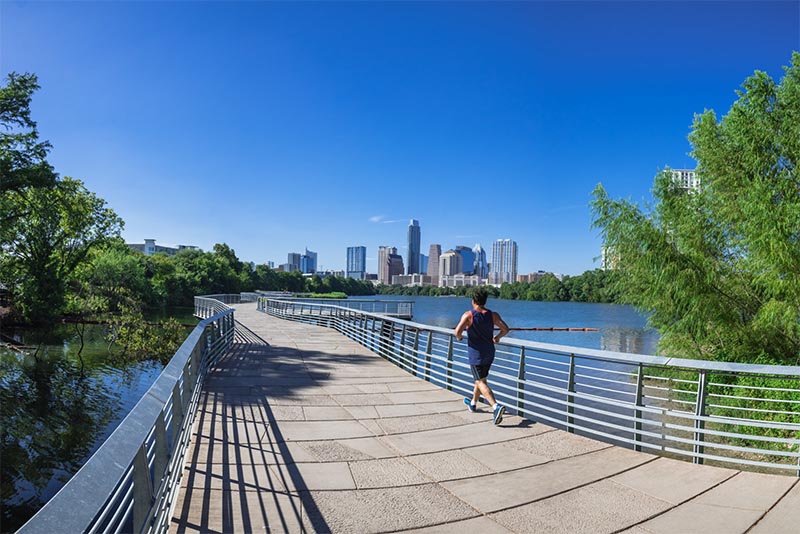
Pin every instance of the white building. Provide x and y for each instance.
(461, 280)
(450, 263)
(409, 280)
(685, 179)
(504, 262)
(149, 247)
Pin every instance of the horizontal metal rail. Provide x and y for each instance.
(732, 414)
(403, 309)
(131, 482)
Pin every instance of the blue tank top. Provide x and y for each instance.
(480, 345)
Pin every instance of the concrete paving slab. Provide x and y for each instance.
(403, 410)
(386, 509)
(314, 476)
(499, 457)
(218, 511)
(412, 386)
(374, 426)
(491, 493)
(300, 400)
(362, 412)
(373, 388)
(398, 425)
(603, 507)
(386, 473)
(748, 491)
(326, 413)
(317, 430)
(232, 477)
(784, 517)
(696, 518)
(361, 399)
(452, 438)
(481, 524)
(449, 465)
(411, 397)
(555, 445)
(673, 481)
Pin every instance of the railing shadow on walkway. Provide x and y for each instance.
(238, 439)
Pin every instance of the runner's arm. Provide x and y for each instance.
(463, 324)
(501, 324)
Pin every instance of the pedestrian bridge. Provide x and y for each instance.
(300, 428)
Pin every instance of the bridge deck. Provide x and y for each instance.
(315, 433)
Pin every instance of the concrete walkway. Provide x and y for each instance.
(314, 433)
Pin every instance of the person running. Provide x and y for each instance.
(479, 322)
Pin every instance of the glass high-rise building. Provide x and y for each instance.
(504, 262)
(433, 263)
(308, 262)
(481, 266)
(414, 236)
(467, 259)
(356, 262)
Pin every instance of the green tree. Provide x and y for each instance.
(22, 156)
(716, 268)
(44, 248)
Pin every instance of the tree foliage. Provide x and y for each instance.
(716, 268)
(63, 223)
(23, 160)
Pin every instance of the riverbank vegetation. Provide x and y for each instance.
(591, 286)
(62, 254)
(715, 267)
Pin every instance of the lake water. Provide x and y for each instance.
(55, 414)
(620, 328)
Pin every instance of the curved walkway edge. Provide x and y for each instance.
(310, 432)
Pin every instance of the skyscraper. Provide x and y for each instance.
(308, 262)
(467, 259)
(356, 262)
(481, 268)
(450, 263)
(390, 263)
(504, 262)
(414, 236)
(433, 263)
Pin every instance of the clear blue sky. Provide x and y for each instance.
(278, 126)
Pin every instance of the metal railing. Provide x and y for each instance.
(395, 308)
(731, 414)
(131, 482)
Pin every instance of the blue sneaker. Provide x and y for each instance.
(498, 414)
(471, 407)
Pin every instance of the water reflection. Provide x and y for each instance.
(632, 340)
(55, 411)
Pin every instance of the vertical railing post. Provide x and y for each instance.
(428, 351)
(177, 412)
(521, 382)
(386, 334)
(637, 414)
(142, 489)
(415, 352)
(570, 395)
(161, 456)
(402, 353)
(699, 423)
(449, 380)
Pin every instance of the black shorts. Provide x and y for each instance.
(480, 371)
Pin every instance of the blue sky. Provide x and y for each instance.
(278, 126)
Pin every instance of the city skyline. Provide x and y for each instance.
(325, 124)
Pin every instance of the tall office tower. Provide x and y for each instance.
(450, 264)
(395, 265)
(481, 268)
(414, 235)
(308, 262)
(383, 264)
(504, 262)
(423, 263)
(433, 263)
(467, 259)
(356, 262)
(293, 261)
